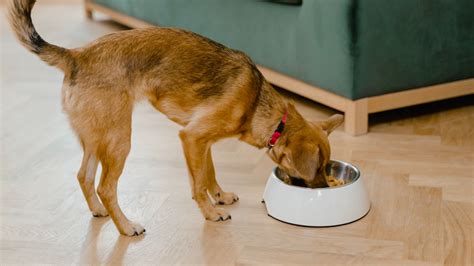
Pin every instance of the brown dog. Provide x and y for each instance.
(212, 91)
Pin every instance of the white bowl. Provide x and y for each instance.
(318, 206)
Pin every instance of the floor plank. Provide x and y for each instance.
(417, 164)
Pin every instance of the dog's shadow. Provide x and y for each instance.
(92, 255)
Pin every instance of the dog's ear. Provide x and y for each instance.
(303, 159)
(331, 123)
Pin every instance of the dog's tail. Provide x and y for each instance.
(20, 21)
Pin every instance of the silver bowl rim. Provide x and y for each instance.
(321, 188)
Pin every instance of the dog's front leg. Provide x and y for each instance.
(220, 196)
(196, 150)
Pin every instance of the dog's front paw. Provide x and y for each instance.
(100, 212)
(132, 229)
(225, 198)
(217, 215)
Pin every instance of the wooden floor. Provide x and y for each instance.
(417, 164)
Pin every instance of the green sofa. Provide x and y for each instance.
(357, 56)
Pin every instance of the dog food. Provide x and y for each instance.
(295, 181)
(334, 182)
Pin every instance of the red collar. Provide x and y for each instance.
(277, 133)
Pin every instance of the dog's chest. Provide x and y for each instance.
(174, 112)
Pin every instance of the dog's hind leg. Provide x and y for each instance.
(86, 178)
(219, 195)
(112, 155)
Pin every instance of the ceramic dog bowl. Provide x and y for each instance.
(318, 206)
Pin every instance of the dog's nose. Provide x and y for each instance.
(319, 181)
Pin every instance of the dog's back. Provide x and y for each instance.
(165, 63)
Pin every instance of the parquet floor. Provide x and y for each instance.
(417, 164)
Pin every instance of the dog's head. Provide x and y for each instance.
(304, 151)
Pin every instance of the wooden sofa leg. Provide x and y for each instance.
(87, 10)
(89, 14)
(357, 118)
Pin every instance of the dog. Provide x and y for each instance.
(212, 91)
